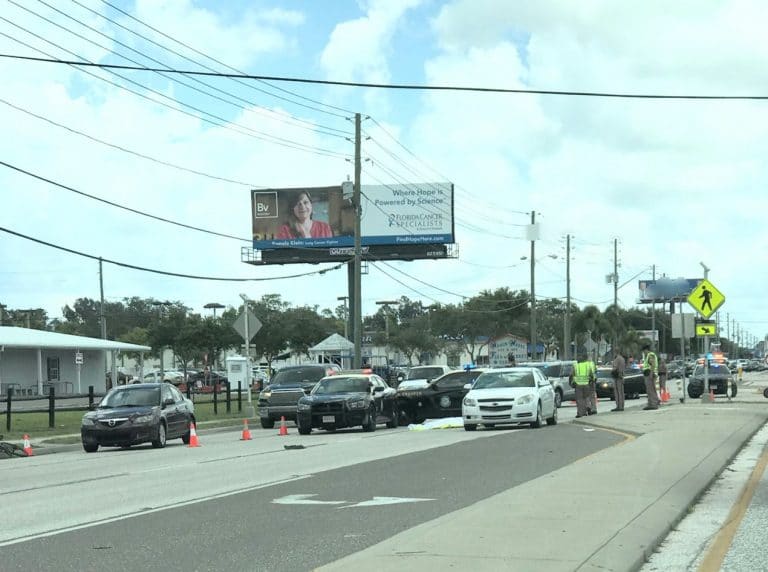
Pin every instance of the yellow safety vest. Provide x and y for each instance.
(581, 372)
(647, 362)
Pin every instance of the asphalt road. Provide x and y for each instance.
(209, 526)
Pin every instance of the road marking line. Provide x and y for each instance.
(304, 499)
(142, 512)
(713, 561)
(380, 501)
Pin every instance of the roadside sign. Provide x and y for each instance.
(78, 358)
(706, 329)
(706, 299)
(254, 324)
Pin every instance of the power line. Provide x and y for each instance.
(412, 87)
(163, 272)
(299, 122)
(130, 151)
(346, 112)
(119, 206)
(216, 120)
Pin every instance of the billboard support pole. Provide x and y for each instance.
(358, 330)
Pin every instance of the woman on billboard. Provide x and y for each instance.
(300, 223)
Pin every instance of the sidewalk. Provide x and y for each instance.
(556, 522)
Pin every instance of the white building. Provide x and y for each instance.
(31, 361)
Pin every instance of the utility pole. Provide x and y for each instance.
(567, 322)
(2, 307)
(616, 289)
(356, 302)
(653, 313)
(533, 285)
(101, 304)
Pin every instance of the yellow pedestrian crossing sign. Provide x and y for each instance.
(706, 329)
(706, 299)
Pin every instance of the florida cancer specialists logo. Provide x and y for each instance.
(421, 221)
(265, 205)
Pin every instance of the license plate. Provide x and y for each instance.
(329, 419)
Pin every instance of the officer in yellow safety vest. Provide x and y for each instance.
(650, 373)
(583, 373)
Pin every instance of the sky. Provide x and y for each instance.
(676, 183)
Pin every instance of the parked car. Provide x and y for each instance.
(348, 400)
(634, 383)
(419, 376)
(287, 386)
(558, 373)
(719, 376)
(138, 413)
(441, 397)
(512, 395)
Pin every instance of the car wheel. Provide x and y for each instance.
(765, 393)
(693, 393)
(267, 423)
(733, 390)
(370, 424)
(469, 427)
(159, 443)
(558, 398)
(395, 420)
(186, 437)
(552, 420)
(536, 424)
(90, 447)
(303, 429)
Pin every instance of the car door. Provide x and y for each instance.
(184, 414)
(546, 393)
(379, 399)
(170, 411)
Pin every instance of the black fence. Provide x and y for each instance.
(51, 403)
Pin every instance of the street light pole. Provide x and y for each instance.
(346, 315)
(705, 393)
(386, 304)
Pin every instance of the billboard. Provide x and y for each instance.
(323, 217)
(666, 289)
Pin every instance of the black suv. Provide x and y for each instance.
(286, 387)
(348, 400)
(719, 376)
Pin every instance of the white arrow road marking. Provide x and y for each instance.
(378, 501)
(304, 499)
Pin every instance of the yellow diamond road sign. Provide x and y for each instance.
(706, 330)
(706, 299)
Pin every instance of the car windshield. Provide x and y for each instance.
(604, 374)
(341, 384)
(132, 397)
(714, 368)
(496, 379)
(424, 372)
(547, 369)
(298, 375)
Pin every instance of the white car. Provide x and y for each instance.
(511, 395)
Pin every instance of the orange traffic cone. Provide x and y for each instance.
(664, 395)
(27, 446)
(283, 429)
(712, 395)
(246, 432)
(193, 442)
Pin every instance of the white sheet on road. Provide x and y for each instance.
(445, 423)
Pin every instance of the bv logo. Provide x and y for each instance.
(264, 204)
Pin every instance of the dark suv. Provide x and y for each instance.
(287, 386)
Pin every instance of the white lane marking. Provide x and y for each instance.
(304, 499)
(142, 512)
(380, 501)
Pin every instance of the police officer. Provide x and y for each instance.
(650, 373)
(584, 372)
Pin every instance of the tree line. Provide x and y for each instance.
(415, 330)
